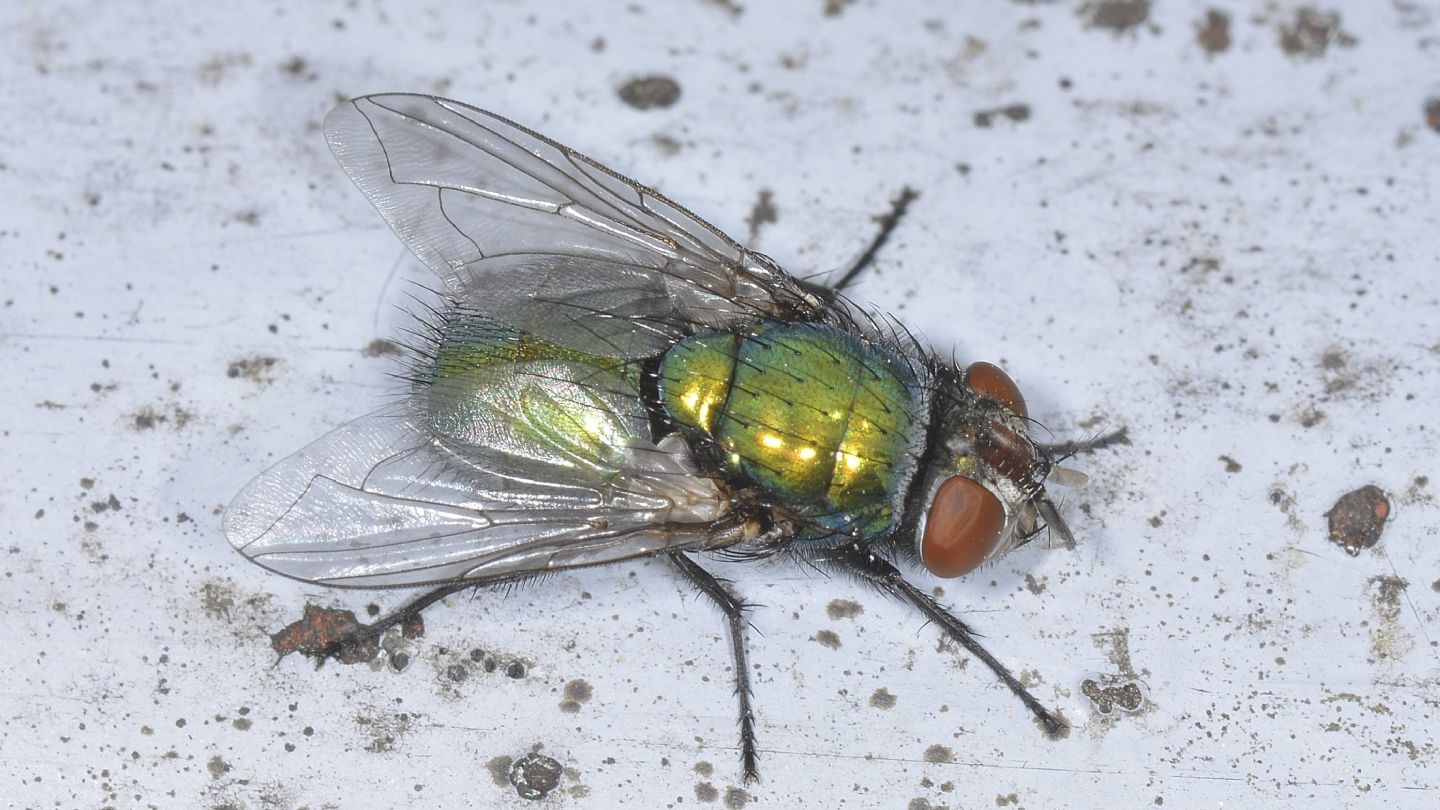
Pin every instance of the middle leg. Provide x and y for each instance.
(734, 610)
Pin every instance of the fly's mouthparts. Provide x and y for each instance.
(1047, 510)
(1066, 477)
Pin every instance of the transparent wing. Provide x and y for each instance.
(543, 238)
(384, 502)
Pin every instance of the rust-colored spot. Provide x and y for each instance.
(1432, 113)
(324, 629)
(1357, 519)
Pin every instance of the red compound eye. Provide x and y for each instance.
(964, 525)
(987, 380)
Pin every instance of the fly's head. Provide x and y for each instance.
(983, 492)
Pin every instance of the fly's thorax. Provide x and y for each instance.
(828, 423)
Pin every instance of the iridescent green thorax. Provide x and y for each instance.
(828, 423)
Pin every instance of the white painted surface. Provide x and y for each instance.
(1171, 241)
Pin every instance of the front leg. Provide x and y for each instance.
(875, 570)
(734, 610)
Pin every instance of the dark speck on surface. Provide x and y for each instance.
(762, 213)
(577, 693)
(735, 798)
(827, 638)
(843, 609)
(649, 92)
(1127, 696)
(1432, 113)
(255, 369)
(939, 753)
(1358, 518)
(706, 792)
(882, 699)
(515, 670)
(1014, 112)
(1116, 15)
(217, 767)
(1214, 33)
(534, 776)
(1312, 32)
(380, 347)
(499, 769)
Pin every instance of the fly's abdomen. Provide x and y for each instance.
(828, 423)
(487, 385)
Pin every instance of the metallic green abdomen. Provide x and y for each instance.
(831, 425)
(490, 386)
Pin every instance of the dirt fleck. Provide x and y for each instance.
(321, 628)
(834, 8)
(704, 768)
(1117, 15)
(843, 609)
(217, 599)
(1432, 113)
(217, 767)
(706, 792)
(1014, 112)
(535, 775)
(257, 369)
(1214, 34)
(380, 347)
(826, 638)
(1388, 639)
(1231, 465)
(1358, 518)
(735, 798)
(1312, 32)
(499, 769)
(882, 699)
(577, 693)
(110, 504)
(217, 67)
(298, 68)
(149, 418)
(762, 213)
(649, 92)
(939, 753)
(1310, 417)
(1033, 585)
(1117, 645)
(1106, 698)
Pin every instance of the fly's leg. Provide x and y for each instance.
(878, 572)
(356, 640)
(887, 222)
(734, 610)
(1066, 449)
